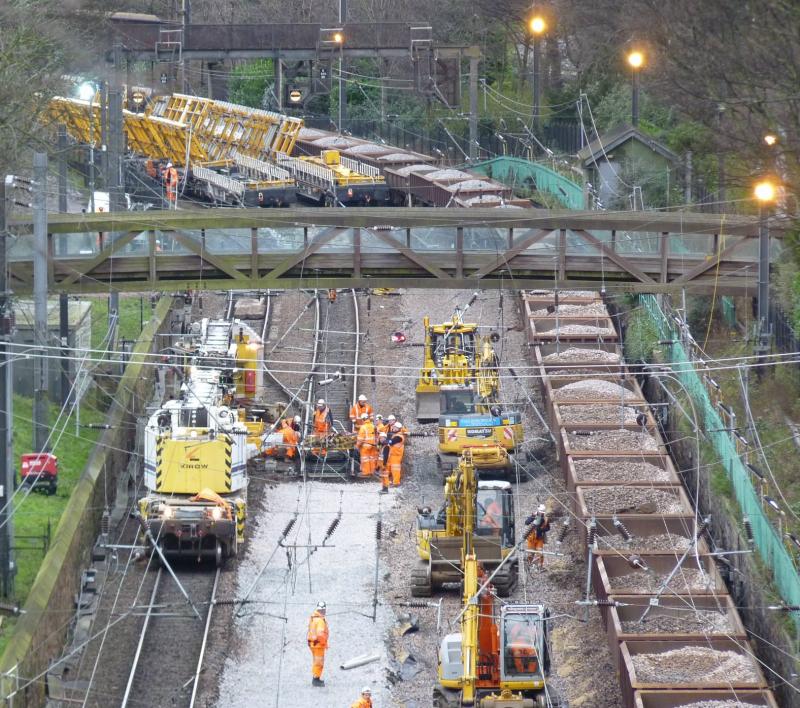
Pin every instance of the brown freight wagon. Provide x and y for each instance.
(576, 416)
(676, 699)
(587, 470)
(535, 299)
(650, 536)
(629, 502)
(631, 681)
(596, 444)
(573, 329)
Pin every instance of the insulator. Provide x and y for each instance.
(591, 533)
(332, 527)
(562, 532)
(637, 562)
(528, 532)
(105, 523)
(748, 529)
(378, 530)
(704, 524)
(415, 603)
(606, 603)
(627, 535)
(288, 527)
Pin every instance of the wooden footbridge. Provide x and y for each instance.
(405, 247)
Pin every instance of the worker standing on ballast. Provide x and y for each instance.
(171, 186)
(539, 524)
(318, 642)
(383, 467)
(367, 444)
(323, 418)
(393, 453)
(366, 699)
(357, 411)
(290, 437)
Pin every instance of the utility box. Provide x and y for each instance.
(331, 157)
(40, 471)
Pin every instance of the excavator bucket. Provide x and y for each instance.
(427, 406)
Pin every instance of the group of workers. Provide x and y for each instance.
(380, 442)
(317, 638)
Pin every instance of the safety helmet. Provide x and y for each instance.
(391, 419)
(169, 164)
(364, 416)
(321, 402)
(298, 419)
(366, 691)
(379, 416)
(322, 606)
(397, 426)
(362, 398)
(542, 508)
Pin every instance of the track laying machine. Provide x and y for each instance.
(480, 512)
(197, 446)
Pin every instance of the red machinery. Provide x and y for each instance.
(39, 470)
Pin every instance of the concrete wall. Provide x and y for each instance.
(40, 633)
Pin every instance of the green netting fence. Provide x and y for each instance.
(767, 539)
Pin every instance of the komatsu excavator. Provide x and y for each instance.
(480, 512)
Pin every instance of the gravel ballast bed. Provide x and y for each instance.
(612, 441)
(565, 293)
(598, 414)
(656, 542)
(592, 390)
(694, 664)
(595, 469)
(576, 354)
(594, 309)
(733, 703)
(685, 582)
(631, 500)
(579, 329)
(680, 622)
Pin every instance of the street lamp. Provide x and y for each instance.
(538, 27)
(636, 60)
(770, 139)
(765, 193)
(338, 38)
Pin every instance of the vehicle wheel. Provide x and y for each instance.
(219, 554)
(52, 488)
(421, 582)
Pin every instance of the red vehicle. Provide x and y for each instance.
(40, 470)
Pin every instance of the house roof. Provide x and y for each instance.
(613, 139)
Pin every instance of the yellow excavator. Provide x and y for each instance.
(498, 659)
(480, 511)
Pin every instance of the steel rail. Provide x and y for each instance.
(310, 379)
(205, 639)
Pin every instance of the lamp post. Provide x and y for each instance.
(636, 62)
(538, 27)
(765, 193)
(338, 38)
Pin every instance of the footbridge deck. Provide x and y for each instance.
(416, 247)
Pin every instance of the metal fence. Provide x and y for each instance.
(768, 540)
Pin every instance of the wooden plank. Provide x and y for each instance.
(711, 262)
(104, 255)
(413, 256)
(504, 258)
(219, 262)
(621, 261)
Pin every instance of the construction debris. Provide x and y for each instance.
(360, 660)
(694, 665)
(595, 469)
(248, 308)
(631, 500)
(612, 441)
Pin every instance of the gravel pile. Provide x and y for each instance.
(597, 414)
(612, 441)
(579, 329)
(631, 500)
(566, 293)
(732, 703)
(592, 390)
(681, 621)
(581, 355)
(685, 582)
(694, 664)
(591, 310)
(595, 469)
(655, 542)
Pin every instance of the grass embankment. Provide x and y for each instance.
(35, 512)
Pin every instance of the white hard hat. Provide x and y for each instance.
(321, 605)
(366, 690)
(542, 508)
(169, 164)
(391, 419)
(397, 426)
(362, 398)
(364, 416)
(321, 402)
(297, 419)
(379, 416)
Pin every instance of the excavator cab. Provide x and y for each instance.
(524, 658)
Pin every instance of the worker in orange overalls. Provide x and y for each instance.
(317, 638)
(537, 537)
(383, 468)
(332, 295)
(381, 425)
(492, 514)
(323, 418)
(393, 453)
(291, 437)
(522, 647)
(367, 444)
(365, 701)
(357, 411)
(171, 185)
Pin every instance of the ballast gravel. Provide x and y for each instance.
(656, 542)
(732, 703)
(595, 469)
(577, 354)
(685, 581)
(631, 500)
(578, 329)
(592, 390)
(612, 441)
(591, 310)
(598, 414)
(694, 664)
(681, 621)
(566, 293)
